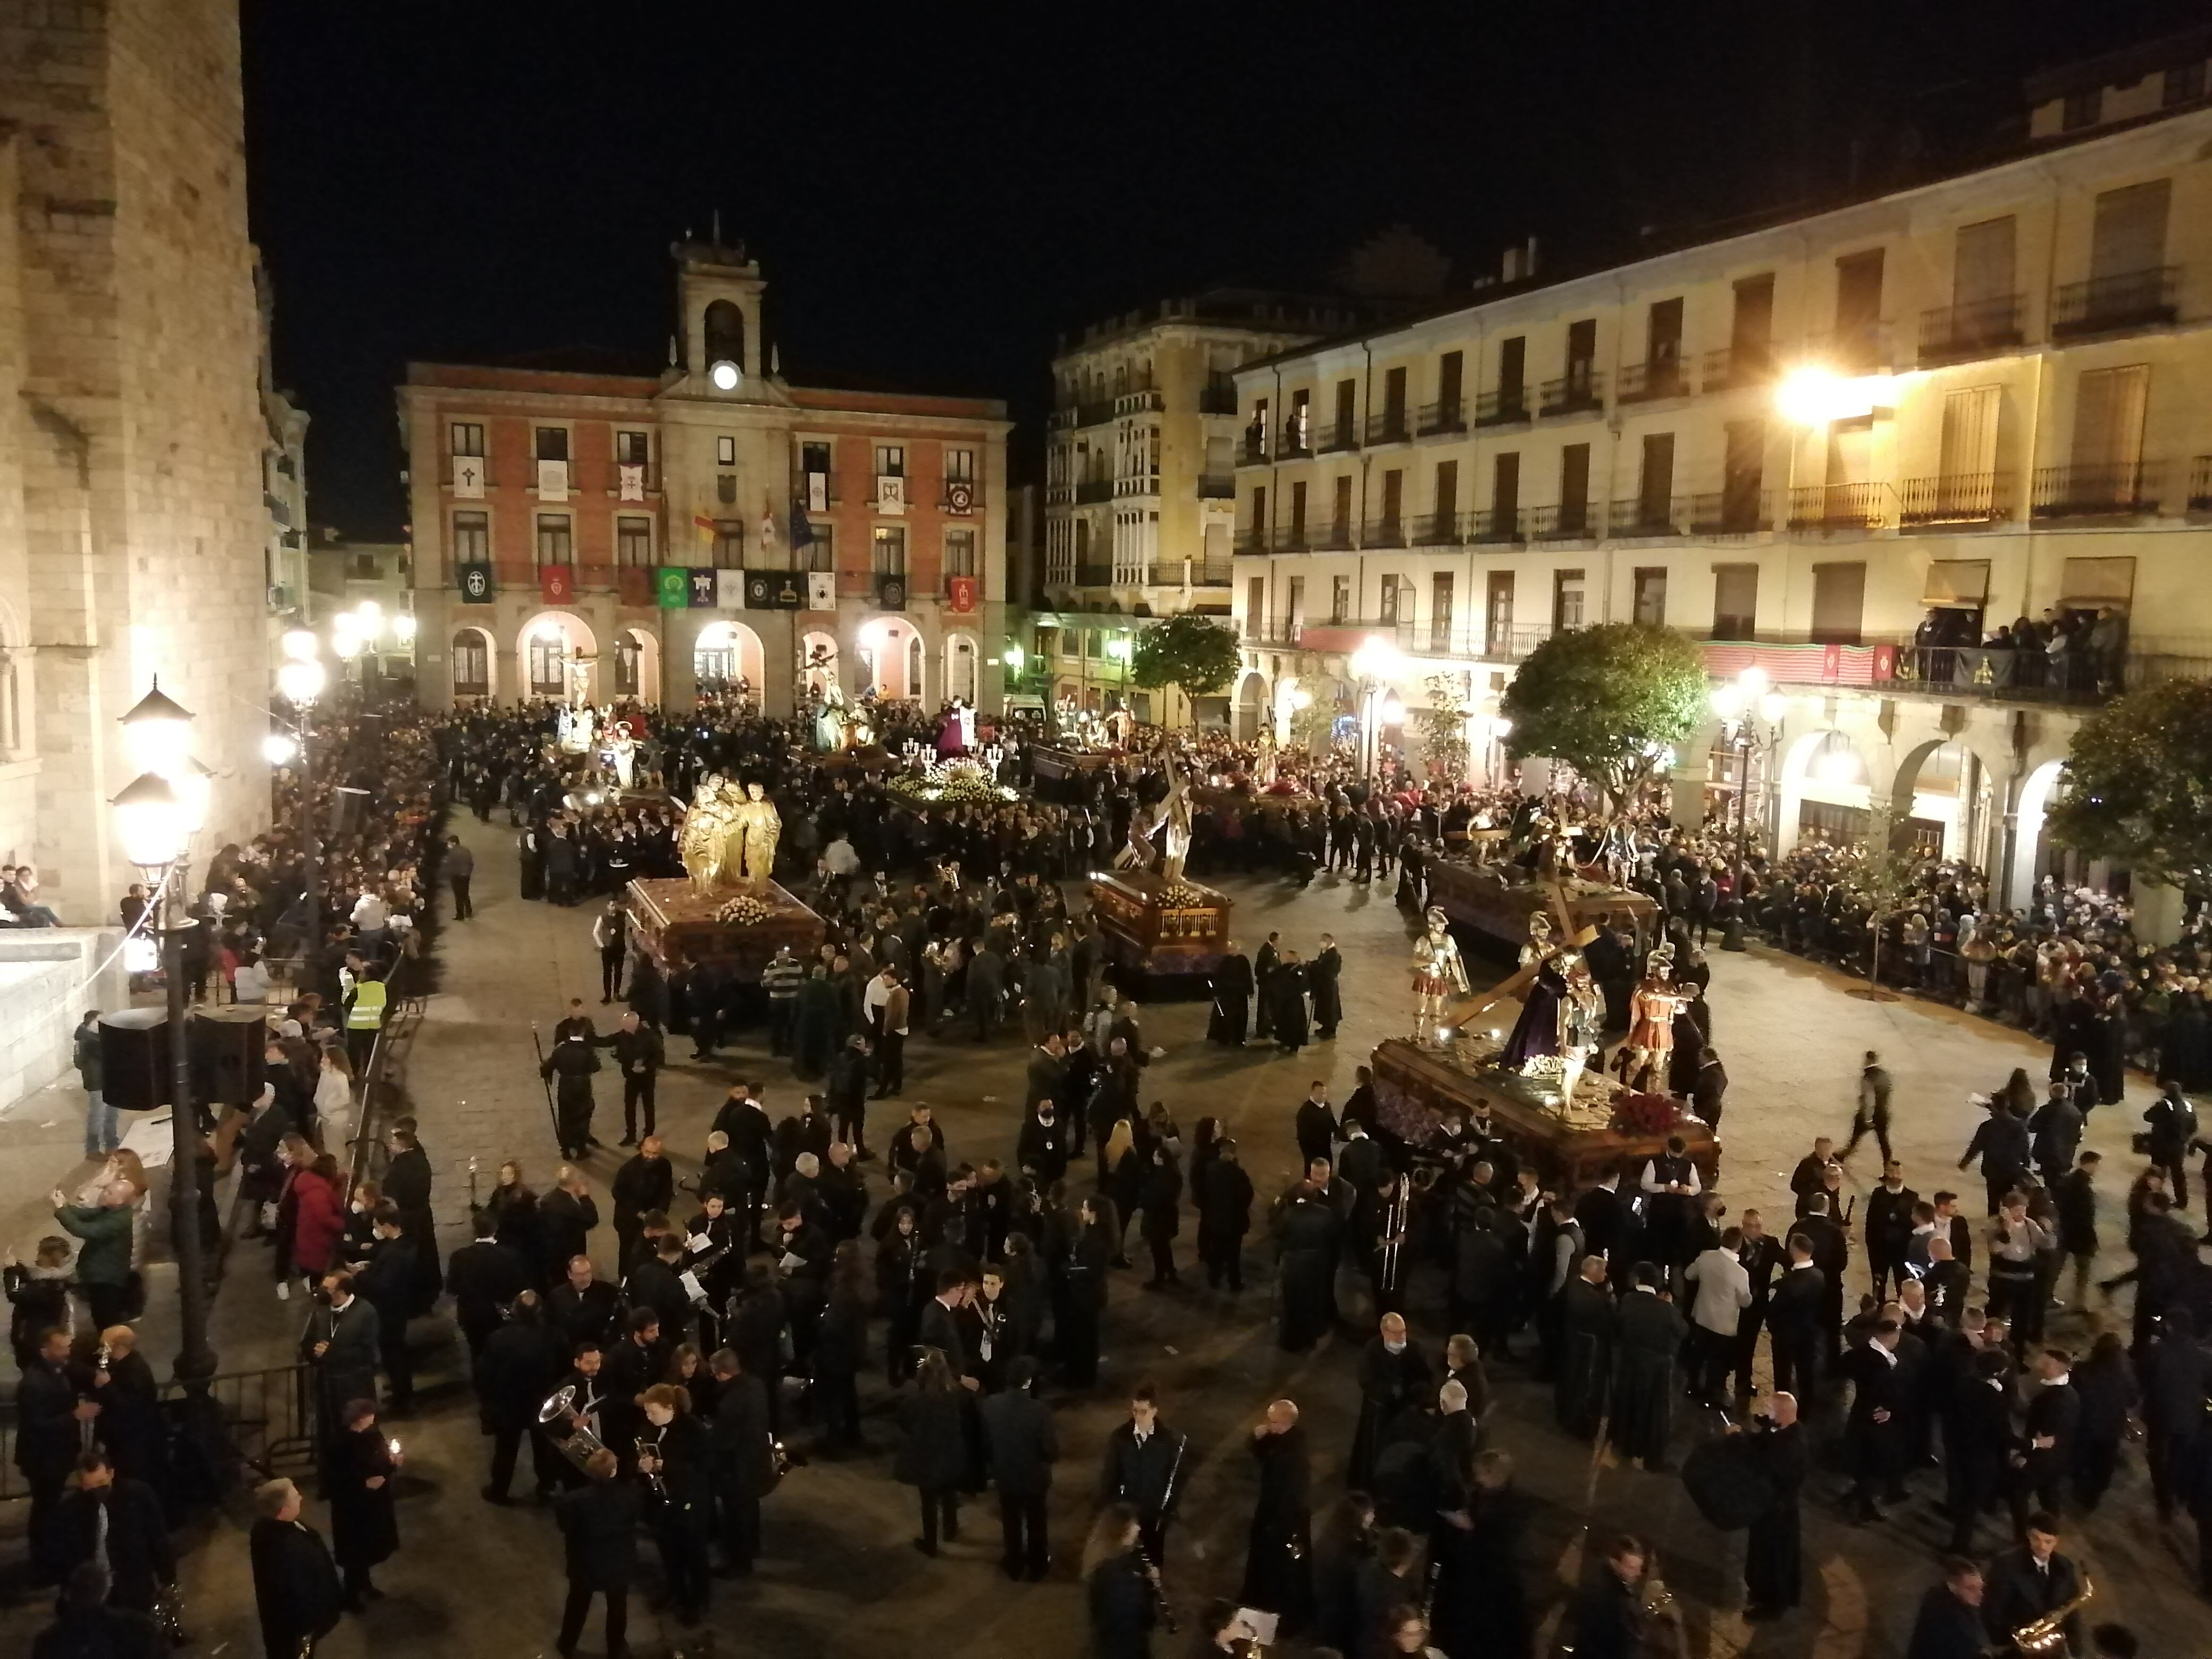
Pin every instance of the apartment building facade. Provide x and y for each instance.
(1845, 451)
(590, 537)
(1140, 479)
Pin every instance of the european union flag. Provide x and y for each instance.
(802, 533)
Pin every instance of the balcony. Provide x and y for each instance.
(1218, 397)
(1217, 487)
(1198, 572)
(1496, 526)
(1297, 441)
(1441, 529)
(1333, 539)
(2134, 299)
(1640, 382)
(1958, 498)
(1952, 672)
(1854, 348)
(1447, 414)
(1384, 532)
(1252, 452)
(1649, 515)
(1255, 541)
(1271, 631)
(1583, 388)
(1294, 539)
(1735, 366)
(2096, 492)
(1388, 428)
(1095, 574)
(1468, 640)
(1506, 406)
(1139, 400)
(1744, 510)
(1335, 440)
(1568, 522)
(1095, 412)
(595, 578)
(1951, 334)
(2200, 484)
(1834, 508)
(1095, 490)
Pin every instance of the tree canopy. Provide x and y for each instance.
(1191, 651)
(2137, 787)
(1610, 701)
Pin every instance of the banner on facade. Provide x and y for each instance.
(556, 583)
(774, 590)
(730, 590)
(475, 581)
(960, 594)
(469, 477)
(631, 481)
(891, 492)
(821, 590)
(552, 481)
(701, 589)
(635, 584)
(672, 587)
(817, 492)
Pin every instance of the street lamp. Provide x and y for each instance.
(1373, 666)
(1745, 704)
(156, 816)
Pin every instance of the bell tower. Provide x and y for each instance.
(718, 295)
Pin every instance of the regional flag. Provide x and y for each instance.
(556, 583)
(960, 594)
(475, 580)
(701, 589)
(672, 587)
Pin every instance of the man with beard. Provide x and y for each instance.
(1041, 1149)
(1307, 1235)
(1278, 1562)
(1393, 1372)
(1588, 1325)
(1287, 1004)
(1320, 980)
(1231, 1017)
(1649, 1333)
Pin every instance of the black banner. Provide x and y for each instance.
(475, 581)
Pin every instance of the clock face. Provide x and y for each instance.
(724, 375)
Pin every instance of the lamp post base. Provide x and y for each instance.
(1732, 935)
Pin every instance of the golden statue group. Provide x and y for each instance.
(729, 836)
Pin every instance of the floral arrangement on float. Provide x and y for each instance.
(742, 911)
(959, 782)
(1647, 1114)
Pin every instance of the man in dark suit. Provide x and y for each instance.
(945, 1327)
(1763, 1257)
(1316, 1124)
(387, 1283)
(47, 1413)
(1874, 1433)
(1048, 1069)
(1794, 1318)
(1831, 1254)
(296, 1589)
(566, 1217)
(88, 1627)
(1021, 1444)
(1143, 1469)
(1949, 1623)
(117, 1522)
(583, 1307)
(2027, 1584)
(646, 1183)
(1888, 1233)
(2045, 1450)
(744, 1461)
(521, 1364)
(484, 1276)
(598, 1525)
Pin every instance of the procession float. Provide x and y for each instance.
(1163, 932)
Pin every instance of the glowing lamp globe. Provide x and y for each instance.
(158, 732)
(346, 645)
(1772, 706)
(299, 682)
(1394, 712)
(195, 787)
(1015, 657)
(403, 628)
(301, 645)
(150, 822)
(278, 749)
(724, 375)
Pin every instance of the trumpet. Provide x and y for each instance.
(653, 1483)
(579, 1445)
(2047, 1635)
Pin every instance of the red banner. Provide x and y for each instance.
(556, 583)
(960, 594)
(637, 584)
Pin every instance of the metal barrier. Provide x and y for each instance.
(266, 1417)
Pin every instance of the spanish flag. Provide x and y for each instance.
(705, 526)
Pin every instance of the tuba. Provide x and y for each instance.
(2047, 1635)
(579, 1445)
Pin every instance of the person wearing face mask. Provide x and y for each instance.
(341, 1347)
(1394, 1373)
(1043, 1149)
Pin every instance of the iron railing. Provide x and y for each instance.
(2083, 492)
(2132, 299)
(1503, 407)
(1254, 450)
(1384, 532)
(1446, 415)
(1838, 507)
(1664, 378)
(1441, 529)
(1584, 388)
(1334, 440)
(1567, 522)
(2200, 484)
(1095, 411)
(1333, 538)
(1497, 526)
(1217, 487)
(265, 1420)
(1649, 515)
(1737, 511)
(1948, 333)
(1738, 365)
(1387, 428)
(1954, 498)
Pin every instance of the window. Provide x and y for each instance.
(1447, 497)
(725, 451)
(628, 661)
(1295, 591)
(1651, 592)
(1394, 401)
(1440, 611)
(726, 488)
(1662, 341)
(468, 438)
(364, 568)
(1582, 356)
(1655, 493)
(1386, 601)
(889, 551)
(1735, 601)
(1339, 599)
(1255, 604)
(1259, 514)
(2184, 83)
(1568, 589)
(1498, 603)
(1573, 489)
(1299, 513)
(631, 449)
(556, 542)
(1505, 495)
(1093, 643)
(472, 664)
(960, 466)
(729, 544)
(1858, 308)
(2108, 433)
(822, 552)
(1393, 501)
(1742, 473)
(960, 553)
(552, 443)
(1839, 603)
(890, 460)
(814, 457)
(1512, 372)
(1982, 278)
(1347, 395)
(1340, 512)
(472, 537)
(2083, 108)
(1449, 368)
(1295, 430)
(1750, 326)
(633, 542)
(2129, 234)
(549, 666)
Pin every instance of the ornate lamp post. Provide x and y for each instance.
(1751, 714)
(299, 680)
(156, 816)
(1373, 666)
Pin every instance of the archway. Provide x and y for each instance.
(726, 653)
(637, 666)
(818, 663)
(1944, 804)
(1251, 705)
(963, 657)
(1827, 792)
(2031, 853)
(890, 658)
(559, 657)
(476, 663)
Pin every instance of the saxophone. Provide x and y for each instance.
(2047, 1635)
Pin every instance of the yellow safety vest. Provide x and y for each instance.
(367, 1013)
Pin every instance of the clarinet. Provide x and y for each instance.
(1167, 1498)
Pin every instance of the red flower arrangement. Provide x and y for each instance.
(1647, 1114)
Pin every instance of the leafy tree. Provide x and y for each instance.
(1610, 701)
(2137, 787)
(1443, 725)
(1191, 652)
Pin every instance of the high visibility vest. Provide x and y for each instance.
(367, 1013)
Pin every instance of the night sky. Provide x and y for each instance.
(934, 199)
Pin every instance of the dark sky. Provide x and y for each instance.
(933, 197)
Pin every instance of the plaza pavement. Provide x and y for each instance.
(839, 1578)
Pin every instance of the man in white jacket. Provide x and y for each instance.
(1723, 1290)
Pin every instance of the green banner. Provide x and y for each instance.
(672, 586)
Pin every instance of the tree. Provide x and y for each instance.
(1191, 652)
(2138, 786)
(1610, 701)
(1443, 724)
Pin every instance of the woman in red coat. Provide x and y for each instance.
(318, 1217)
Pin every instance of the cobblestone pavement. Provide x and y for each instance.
(838, 1576)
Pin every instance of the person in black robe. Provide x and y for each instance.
(1343, 1548)
(364, 1519)
(1224, 1195)
(1122, 1589)
(1535, 1035)
(1278, 1561)
(1264, 967)
(1588, 1328)
(1230, 1020)
(1607, 1617)
(1320, 980)
(1479, 1610)
(1394, 1373)
(1286, 997)
(117, 1522)
(296, 1583)
(1306, 1236)
(1774, 1555)
(407, 1185)
(1649, 1334)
